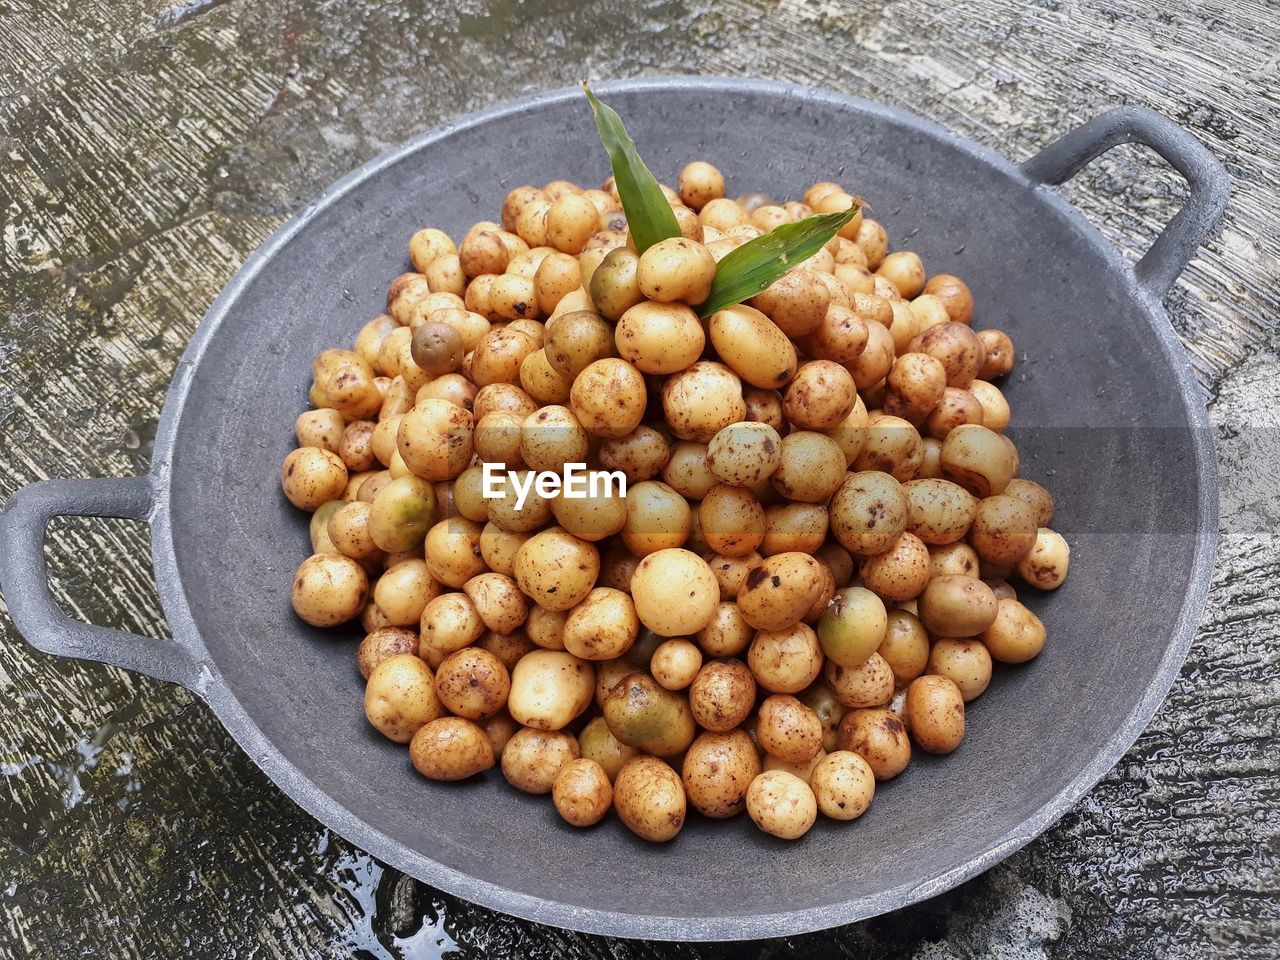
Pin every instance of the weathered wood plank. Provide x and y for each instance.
(148, 149)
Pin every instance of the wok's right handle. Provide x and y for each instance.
(1186, 232)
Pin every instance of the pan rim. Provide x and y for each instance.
(325, 808)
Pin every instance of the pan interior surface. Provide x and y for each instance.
(1097, 412)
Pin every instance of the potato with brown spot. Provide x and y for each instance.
(650, 799)
(718, 768)
(400, 697)
(785, 661)
(935, 714)
(472, 683)
(781, 804)
(868, 512)
(878, 737)
(582, 793)
(779, 591)
(1045, 565)
(787, 729)
(533, 758)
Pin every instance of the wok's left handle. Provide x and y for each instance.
(1193, 224)
(24, 578)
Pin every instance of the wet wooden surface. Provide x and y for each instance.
(147, 149)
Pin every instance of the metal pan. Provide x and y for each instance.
(1106, 413)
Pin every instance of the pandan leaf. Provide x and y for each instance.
(649, 214)
(754, 267)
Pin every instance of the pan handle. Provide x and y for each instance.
(24, 578)
(1191, 227)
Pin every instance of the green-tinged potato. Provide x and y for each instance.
(549, 688)
(780, 590)
(869, 684)
(380, 644)
(318, 528)
(844, 784)
(533, 758)
(313, 476)
(450, 748)
(582, 793)
(781, 804)
(966, 663)
(329, 589)
(599, 744)
(614, 286)
(675, 592)
(400, 697)
(1045, 565)
(641, 714)
(718, 768)
(868, 512)
(879, 737)
(787, 729)
(1016, 635)
(676, 269)
(935, 714)
(602, 627)
(722, 695)
(557, 570)
(853, 626)
(660, 338)
(401, 514)
(650, 799)
(785, 661)
(753, 347)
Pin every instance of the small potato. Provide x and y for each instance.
(869, 684)
(893, 446)
(718, 768)
(929, 311)
(318, 527)
(552, 437)
(868, 512)
(1045, 565)
(957, 559)
(400, 697)
(675, 664)
(329, 589)
(905, 646)
(732, 520)
(820, 397)
(590, 518)
(843, 784)
(840, 336)
(609, 398)
(702, 400)
(650, 799)
(1004, 531)
(785, 661)
(744, 454)
(575, 340)
(453, 551)
(879, 737)
(796, 303)
(821, 699)
(722, 695)
(549, 689)
(541, 381)
(978, 459)
(598, 743)
(450, 748)
(614, 287)
(659, 338)
(435, 439)
(938, 511)
(876, 359)
(753, 346)
(901, 572)
(787, 729)
(764, 406)
(533, 758)
(954, 294)
(956, 347)
(402, 514)
(851, 434)
(545, 628)
(779, 591)
(1035, 496)
(348, 530)
(998, 354)
(914, 387)
(499, 355)
(935, 714)
(905, 271)
(687, 472)
(312, 476)
(995, 408)
(557, 275)
(556, 570)
(498, 601)
(356, 448)
(403, 592)
(382, 643)
(582, 793)
(660, 585)
(320, 428)
(571, 220)
(966, 663)
(727, 635)
(641, 454)
(497, 439)
(781, 804)
(658, 518)
(1015, 636)
(449, 622)
(810, 468)
(723, 214)
(602, 627)
(617, 566)
(957, 606)
(509, 648)
(676, 269)
(700, 183)
(853, 626)
(956, 408)
(873, 241)
(498, 548)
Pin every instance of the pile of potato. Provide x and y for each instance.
(809, 573)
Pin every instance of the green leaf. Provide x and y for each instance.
(753, 267)
(649, 214)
